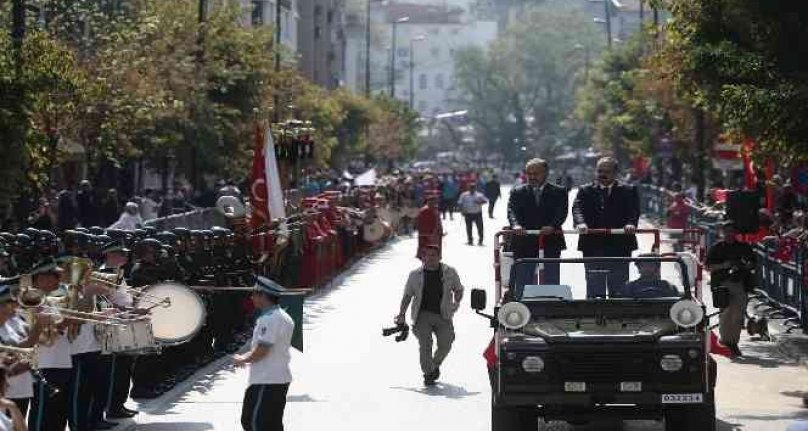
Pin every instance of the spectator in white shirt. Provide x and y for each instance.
(471, 206)
(130, 218)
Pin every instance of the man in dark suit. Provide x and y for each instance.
(537, 205)
(606, 204)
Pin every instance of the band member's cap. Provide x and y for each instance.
(269, 287)
(112, 247)
(47, 266)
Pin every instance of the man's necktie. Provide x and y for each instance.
(537, 195)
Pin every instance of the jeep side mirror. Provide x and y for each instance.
(478, 299)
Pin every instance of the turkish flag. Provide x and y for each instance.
(258, 183)
(490, 354)
(717, 348)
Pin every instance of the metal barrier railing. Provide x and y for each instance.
(782, 283)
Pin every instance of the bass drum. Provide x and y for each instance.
(179, 318)
(374, 232)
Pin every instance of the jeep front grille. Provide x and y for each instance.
(598, 366)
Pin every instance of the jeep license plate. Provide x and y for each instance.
(682, 398)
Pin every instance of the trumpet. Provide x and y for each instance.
(111, 284)
(17, 354)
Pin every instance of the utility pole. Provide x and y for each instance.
(608, 7)
(393, 57)
(367, 47)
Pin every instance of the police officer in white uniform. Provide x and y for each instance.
(268, 362)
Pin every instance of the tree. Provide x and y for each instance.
(521, 88)
(739, 60)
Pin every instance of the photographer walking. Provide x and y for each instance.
(731, 264)
(435, 292)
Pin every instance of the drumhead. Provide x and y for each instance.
(180, 320)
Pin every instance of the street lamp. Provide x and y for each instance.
(607, 5)
(367, 44)
(412, 67)
(393, 57)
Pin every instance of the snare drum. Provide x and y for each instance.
(135, 338)
(179, 315)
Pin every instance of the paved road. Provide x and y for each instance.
(350, 378)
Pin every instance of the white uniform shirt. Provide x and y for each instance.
(20, 386)
(6, 423)
(471, 203)
(274, 329)
(86, 341)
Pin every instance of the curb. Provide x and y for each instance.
(152, 405)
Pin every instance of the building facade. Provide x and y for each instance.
(419, 70)
(322, 41)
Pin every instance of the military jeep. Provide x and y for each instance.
(591, 360)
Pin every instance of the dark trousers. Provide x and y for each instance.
(120, 375)
(263, 407)
(476, 219)
(491, 203)
(601, 277)
(525, 273)
(90, 389)
(51, 404)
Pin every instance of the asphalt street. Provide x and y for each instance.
(351, 378)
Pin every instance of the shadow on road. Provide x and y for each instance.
(175, 426)
(445, 390)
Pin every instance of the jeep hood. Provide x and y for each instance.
(600, 320)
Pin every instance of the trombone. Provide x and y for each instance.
(30, 299)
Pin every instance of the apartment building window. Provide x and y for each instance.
(422, 105)
(439, 81)
(257, 16)
(435, 51)
(329, 17)
(422, 81)
(402, 52)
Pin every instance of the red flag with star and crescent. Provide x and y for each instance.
(258, 183)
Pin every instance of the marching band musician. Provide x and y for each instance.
(13, 331)
(428, 224)
(50, 410)
(11, 418)
(116, 260)
(90, 375)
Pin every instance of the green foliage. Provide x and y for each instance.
(143, 79)
(744, 61)
(521, 89)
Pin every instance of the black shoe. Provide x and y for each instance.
(429, 379)
(469, 242)
(121, 414)
(480, 243)
(736, 352)
(436, 373)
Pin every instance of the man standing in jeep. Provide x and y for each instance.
(435, 292)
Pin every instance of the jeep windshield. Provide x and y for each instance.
(649, 278)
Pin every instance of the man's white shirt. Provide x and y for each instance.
(273, 329)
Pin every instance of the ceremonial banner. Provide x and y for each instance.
(258, 189)
(277, 209)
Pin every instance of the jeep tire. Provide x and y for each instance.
(696, 417)
(513, 418)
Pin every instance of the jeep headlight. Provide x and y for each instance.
(671, 363)
(533, 364)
